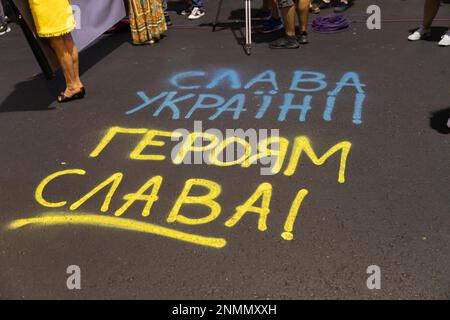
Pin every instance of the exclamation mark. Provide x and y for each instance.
(360, 97)
(289, 224)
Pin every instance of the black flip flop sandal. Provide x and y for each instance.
(62, 98)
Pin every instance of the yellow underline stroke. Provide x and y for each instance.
(118, 223)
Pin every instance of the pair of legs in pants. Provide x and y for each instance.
(195, 4)
(165, 6)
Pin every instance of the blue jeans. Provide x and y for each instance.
(196, 3)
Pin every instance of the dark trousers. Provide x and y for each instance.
(2, 13)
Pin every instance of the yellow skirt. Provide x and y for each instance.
(52, 18)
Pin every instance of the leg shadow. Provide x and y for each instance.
(106, 45)
(38, 93)
(34, 94)
(176, 6)
(437, 33)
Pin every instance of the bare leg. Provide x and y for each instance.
(288, 14)
(65, 61)
(72, 49)
(429, 12)
(302, 8)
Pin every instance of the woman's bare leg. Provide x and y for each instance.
(429, 12)
(65, 61)
(288, 14)
(73, 51)
(302, 8)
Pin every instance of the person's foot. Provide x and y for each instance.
(285, 42)
(79, 86)
(71, 94)
(272, 25)
(186, 12)
(419, 34)
(342, 6)
(302, 38)
(72, 90)
(314, 8)
(445, 40)
(168, 20)
(4, 29)
(196, 13)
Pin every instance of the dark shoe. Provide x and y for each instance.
(272, 25)
(168, 20)
(302, 38)
(62, 98)
(186, 12)
(284, 43)
(82, 90)
(342, 6)
(4, 28)
(324, 5)
(314, 8)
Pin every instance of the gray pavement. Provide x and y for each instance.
(392, 211)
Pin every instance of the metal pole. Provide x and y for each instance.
(248, 27)
(216, 18)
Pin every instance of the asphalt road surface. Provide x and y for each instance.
(392, 210)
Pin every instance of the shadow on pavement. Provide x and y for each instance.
(38, 94)
(176, 6)
(33, 94)
(437, 33)
(439, 120)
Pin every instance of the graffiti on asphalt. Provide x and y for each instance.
(192, 93)
(288, 156)
(148, 193)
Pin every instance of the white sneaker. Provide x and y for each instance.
(196, 13)
(420, 33)
(445, 41)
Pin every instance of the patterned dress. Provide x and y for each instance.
(147, 20)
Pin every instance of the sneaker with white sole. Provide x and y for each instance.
(419, 34)
(445, 41)
(196, 13)
(186, 12)
(4, 28)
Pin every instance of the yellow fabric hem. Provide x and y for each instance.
(56, 34)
